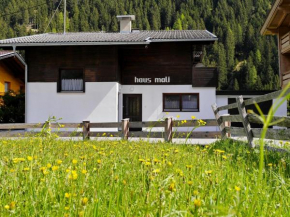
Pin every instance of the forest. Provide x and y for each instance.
(245, 59)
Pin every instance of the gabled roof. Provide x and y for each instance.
(103, 38)
(279, 16)
(9, 54)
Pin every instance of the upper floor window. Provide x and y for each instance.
(71, 80)
(181, 102)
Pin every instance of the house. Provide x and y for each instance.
(12, 72)
(106, 77)
(278, 23)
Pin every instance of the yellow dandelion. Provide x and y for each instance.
(193, 117)
(141, 160)
(169, 164)
(178, 116)
(6, 206)
(124, 182)
(237, 188)
(270, 165)
(54, 168)
(147, 163)
(67, 195)
(48, 165)
(156, 171)
(197, 203)
(66, 208)
(189, 166)
(99, 161)
(172, 187)
(59, 162)
(30, 158)
(195, 192)
(26, 169)
(190, 182)
(74, 161)
(85, 201)
(84, 171)
(224, 157)
(208, 172)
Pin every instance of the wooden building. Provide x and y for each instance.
(12, 72)
(278, 23)
(106, 77)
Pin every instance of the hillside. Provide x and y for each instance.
(246, 60)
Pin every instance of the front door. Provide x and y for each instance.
(132, 108)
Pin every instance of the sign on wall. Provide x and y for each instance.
(165, 80)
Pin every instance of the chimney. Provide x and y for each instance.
(125, 23)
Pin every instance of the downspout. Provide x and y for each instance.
(25, 81)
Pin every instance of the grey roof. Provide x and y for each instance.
(95, 38)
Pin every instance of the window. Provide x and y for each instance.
(181, 102)
(7, 86)
(71, 80)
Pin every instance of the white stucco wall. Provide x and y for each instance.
(152, 102)
(98, 104)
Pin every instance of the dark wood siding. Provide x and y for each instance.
(204, 77)
(100, 63)
(157, 61)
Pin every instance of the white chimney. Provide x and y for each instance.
(126, 23)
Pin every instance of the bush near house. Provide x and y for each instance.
(12, 108)
(48, 177)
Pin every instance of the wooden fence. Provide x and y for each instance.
(224, 121)
(85, 129)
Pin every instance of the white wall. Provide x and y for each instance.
(152, 102)
(98, 104)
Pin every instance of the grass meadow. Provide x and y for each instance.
(49, 177)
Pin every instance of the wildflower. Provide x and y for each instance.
(124, 182)
(169, 164)
(6, 206)
(237, 188)
(99, 161)
(84, 172)
(141, 160)
(66, 208)
(167, 113)
(184, 121)
(54, 168)
(178, 116)
(270, 165)
(208, 172)
(219, 151)
(176, 151)
(104, 134)
(156, 171)
(147, 163)
(111, 135)
(48, 165)
(201, 122)
(189, 166)
(29, 158)
(67, 195)
(195, 192)
(190, 182)
(172, 187)
(193, 117)
(26, 169)
(45, 172)
(59, 162)
(74, 161)
(197, 203)
(85, 201)
(73, 175)
(224, 157)
(81, 213)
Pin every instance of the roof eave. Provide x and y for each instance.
(270, 17)
(71, 44)
(184, 40)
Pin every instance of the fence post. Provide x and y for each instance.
(86, 130)
(219, 120)
(125, 129)
(245, 120)
(168, 129)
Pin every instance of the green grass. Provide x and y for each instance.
(118, 178)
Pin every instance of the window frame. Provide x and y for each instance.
(67, 91)
(8, 85)
(180, 101)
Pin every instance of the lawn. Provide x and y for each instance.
(48, 177)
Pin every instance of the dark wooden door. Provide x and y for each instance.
(132, 108)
